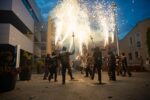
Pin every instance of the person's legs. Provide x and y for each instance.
(55, 73)
(50, 75)
(94, 68)
(86, 72)
(99, 74)
(113, 74)
(46, 71)
(70, 72)
(63, 74)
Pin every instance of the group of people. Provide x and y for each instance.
(53, 61)
(114, 63)
(117, 63)
(91, 62)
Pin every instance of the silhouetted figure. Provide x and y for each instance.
(125, 67)
(89, 64)
(118, 65)
(65, 62)
(53, 67)
(47, 66)
(97, 56)
(111, 66)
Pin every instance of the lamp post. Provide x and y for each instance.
(114, 6)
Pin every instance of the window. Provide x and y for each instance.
(138, 44)
(130, 56)
(136, 54)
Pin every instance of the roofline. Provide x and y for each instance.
(139, 22)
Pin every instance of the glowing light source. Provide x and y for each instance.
(83, 19)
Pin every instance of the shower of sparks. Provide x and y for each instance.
(84, 20)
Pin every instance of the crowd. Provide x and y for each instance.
(90, 64)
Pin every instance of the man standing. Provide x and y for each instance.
(111, 66)
(47, 66)
(53, 68)
(65, 61)
(89, 64)
(97, 55)
(125, 65)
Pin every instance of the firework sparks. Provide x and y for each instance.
(83, 19)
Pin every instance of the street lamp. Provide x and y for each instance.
(114, 6)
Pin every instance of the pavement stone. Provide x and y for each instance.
(136, 87)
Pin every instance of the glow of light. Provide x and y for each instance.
(79, 17)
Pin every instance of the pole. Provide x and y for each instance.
(116, 31)
(92, 40)
(73, 40)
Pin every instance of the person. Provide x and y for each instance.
(65, 62)
(111, 66)
(82, 64)
(53, 67)
(118, 65)
(89, 63)
(125, 65)
(97, 56)
(46, 67)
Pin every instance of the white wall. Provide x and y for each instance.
(17, 38)
(21, 11)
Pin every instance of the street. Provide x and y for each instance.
(125, 88)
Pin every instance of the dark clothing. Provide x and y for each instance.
(111, 67)
(97, 55)
(65, 61)
(118, 65)
(46, 67)
(88, 66)
(53, 68)
(125, 66)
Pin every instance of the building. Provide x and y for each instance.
(43, 43)
(18, 21)
(50, 36)
(134, 43)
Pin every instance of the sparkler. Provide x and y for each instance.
(81, 17)
(73, 40)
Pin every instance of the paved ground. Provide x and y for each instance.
(125, 88)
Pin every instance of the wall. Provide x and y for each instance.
(4, 33)
(20, 10)
(127, 47)
(17, 38)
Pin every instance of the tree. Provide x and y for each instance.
(148, 40)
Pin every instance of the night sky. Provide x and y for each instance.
(129, 12)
